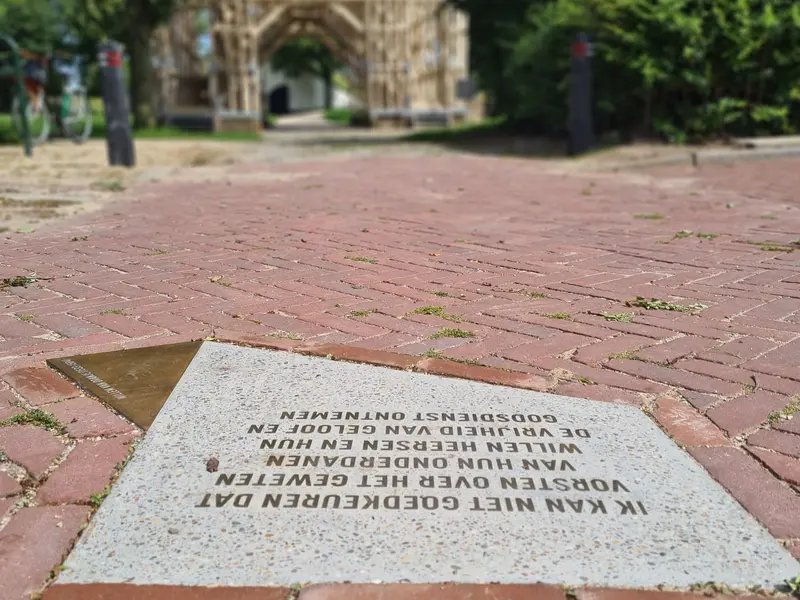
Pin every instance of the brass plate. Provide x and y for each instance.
(135, 382)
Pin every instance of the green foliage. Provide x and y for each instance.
(308, 56)
(679, 69)
(37, 26)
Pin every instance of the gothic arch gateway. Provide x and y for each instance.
(406, 58)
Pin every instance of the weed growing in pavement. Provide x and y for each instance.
(361, 313)
(436, 311)
(433, 353)
(562, 316)
(708, 236)
(97, 499)
(786, 413)
(80, 238)
(793, 585)
(681, 234)
(775, 248)
(439, 293)
(619, 317)
(113, 311)
(770, 247)
(447, 332)
(363, 259)
(627, 355)
(656, 304)
(36, 417)
(26, 318)
(18, 281)
(651, 216)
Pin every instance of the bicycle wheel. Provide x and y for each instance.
(38, 118)
(76, 115)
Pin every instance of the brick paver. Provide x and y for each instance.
(537, 268)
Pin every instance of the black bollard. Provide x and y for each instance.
(581, 126)
(119, 136)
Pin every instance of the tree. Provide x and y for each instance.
(308, 56)
(37, 26)
(131, 22)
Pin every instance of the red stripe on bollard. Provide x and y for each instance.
(114, 59)
(580, 49)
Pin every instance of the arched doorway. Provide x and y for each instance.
(404, 57)
(279, 100)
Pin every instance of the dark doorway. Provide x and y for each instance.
(279, 100)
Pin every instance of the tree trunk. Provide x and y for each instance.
(327, 77)
(141, 86)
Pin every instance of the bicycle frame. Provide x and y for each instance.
(12, 47)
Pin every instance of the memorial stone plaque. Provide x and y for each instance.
(136, 382)
(267, 468)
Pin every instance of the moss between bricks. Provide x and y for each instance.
(448, 332)
(436, 311)
(432, 353)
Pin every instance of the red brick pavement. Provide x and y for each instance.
(387, 255)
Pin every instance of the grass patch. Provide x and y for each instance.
(108, 185)
(656, 304)
(80, 238)
(363, 259)
(537, 295)
(707, 236)
(170, 133)
(651, 216)
(341, 116)
(361, 313)
(463, 133)
(618, 317)
(562, 316)
(436, 311)
(681, 234)
(448, 332)
(113, 311)
(439, 293)
(36, 417)
(8, 135)
(26, 318)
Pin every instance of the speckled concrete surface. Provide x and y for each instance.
(160, 525)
